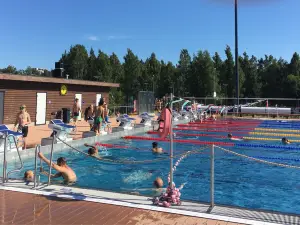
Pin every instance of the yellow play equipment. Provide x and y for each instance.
(266, 139)
(277, 130)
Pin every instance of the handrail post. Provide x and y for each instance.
(35, 165)
(51, 157)
(171, 142)
(21, 162)
(212, 177)
(4, 159)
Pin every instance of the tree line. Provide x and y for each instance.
(196, 75)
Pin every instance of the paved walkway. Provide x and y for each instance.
(20, 208)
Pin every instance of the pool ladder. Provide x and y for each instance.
(5, 173)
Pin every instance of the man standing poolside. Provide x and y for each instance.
(76, 111)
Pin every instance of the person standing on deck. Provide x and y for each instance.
(76, 111)
(22, 120)
(99, 117)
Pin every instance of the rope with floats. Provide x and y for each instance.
(258, 160)
(129, 161)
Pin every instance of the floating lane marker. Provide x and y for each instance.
(275, 134)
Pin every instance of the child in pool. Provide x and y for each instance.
(29, 176)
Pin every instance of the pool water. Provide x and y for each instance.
(238, 181)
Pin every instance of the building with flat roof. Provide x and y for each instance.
(45, 95)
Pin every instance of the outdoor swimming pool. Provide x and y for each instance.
(238, 181)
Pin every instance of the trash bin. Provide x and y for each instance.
(66, 115)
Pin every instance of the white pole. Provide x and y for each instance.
(212, 177)
(51, 158)
(171, 142)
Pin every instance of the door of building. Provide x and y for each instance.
(79, 96)
(41, 108)
(1, 107)
(98, 97)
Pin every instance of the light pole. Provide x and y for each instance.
(236, 52)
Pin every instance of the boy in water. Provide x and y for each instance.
(62, 168)
(93, 150)
(29, 176)
(155, 148)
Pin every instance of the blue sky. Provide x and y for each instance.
(35, 33)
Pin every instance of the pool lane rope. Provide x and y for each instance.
(230, 144)
(275, 134)
(267, 139)
(128, 161)
(258, 160)
(277, 130)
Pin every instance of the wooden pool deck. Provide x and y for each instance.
(21, 208)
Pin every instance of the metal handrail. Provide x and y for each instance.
(21, 162)
(37, 150)
(4, 159)
(51, 157)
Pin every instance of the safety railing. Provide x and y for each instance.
(5, 173)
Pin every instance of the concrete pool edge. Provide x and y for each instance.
(108, 198)
(30, 153)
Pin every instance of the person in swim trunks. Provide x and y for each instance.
(76, 111)
(62, 168)
(99, 117)
(23, 120)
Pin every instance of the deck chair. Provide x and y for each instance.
(126, 122)
(61, 130)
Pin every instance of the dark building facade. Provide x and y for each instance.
(44, 95)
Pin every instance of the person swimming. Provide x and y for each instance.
(93, 150)
(155, 148)
(29, 176)
(158, 183)
(63, 169)
(232, 138)
(285, 141)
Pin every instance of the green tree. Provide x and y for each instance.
(151, 71)
(294, 66)
(10, 69)
(184, 65)
(132, 72)
(252, 84)
(166, 78)
(204, 75)
(117, 68)
(75, 62)
(218, 65)
(105, 70)
(92, 66)
(227, 77)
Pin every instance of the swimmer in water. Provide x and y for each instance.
(155, 148)
(285, 141)
(61, 167)
(93, 150)
(158, 183)
(29, 176)
(232, 138)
